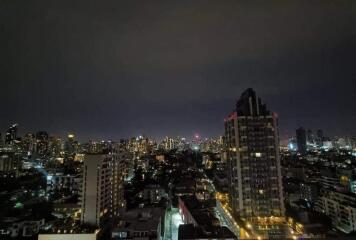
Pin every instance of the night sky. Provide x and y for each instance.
(111, 69)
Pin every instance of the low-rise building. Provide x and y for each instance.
(309, 191)
(340, 207)
(153, 193)
(191, 232)
(196, 212)
(17, 228)
(141, 223)
(59, 181)
(62, 230)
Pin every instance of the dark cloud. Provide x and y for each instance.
(121, 68)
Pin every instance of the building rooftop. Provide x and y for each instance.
(189, 231)
(250, 105)
(200, 211)
(142, 219)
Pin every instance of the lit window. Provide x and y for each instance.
(258, 154)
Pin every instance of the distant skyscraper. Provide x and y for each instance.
(320, 137)
(55, 146)
(28, 143)
(252, 145)
(168, 143)
(11, 134)
(320, 134)
(310, 136)
(71, 146)
(102, 189)
(301, 140)
(42, 143)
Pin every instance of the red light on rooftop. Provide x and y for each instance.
(232, 116)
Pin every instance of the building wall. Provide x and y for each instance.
(252, 146)
(186, 215)
(90, 190)
(102, 189)
(340, 208)
(84, 236)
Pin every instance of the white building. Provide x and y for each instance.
(102, 189)
(69, 236)
(340, 207)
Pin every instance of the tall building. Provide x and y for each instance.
(168, 143)
(42, 144)
(71, 146)
(301, 140)
(310, 136)
(102, 188)
(28, 142)
(320, 137)
(252, 146)
(55, 146)
(320, 134)
(10, 163)
(11, 134)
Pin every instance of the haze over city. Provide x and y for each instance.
(177, 120)
(117, 69)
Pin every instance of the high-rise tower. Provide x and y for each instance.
(11, 134)
(301, 140)
(102, 189)
(252, 146)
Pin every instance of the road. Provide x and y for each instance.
(172, 221)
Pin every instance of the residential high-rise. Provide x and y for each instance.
(71, 146)
(11, 134)
(55, 146)
(10, 163)
(252, 146)
(310, 136)
(301, 140)
(42, 143)
(102, 188)
(168, 143)
(28, 143)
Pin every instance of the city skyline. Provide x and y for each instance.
(243, 185)
(284, 138)
(177, 120)
(121, 69)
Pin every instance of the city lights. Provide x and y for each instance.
(184, 120)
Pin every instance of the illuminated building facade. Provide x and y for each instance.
(251, 141)
(55, 146)
(102, 189)
(11, 134)
(42, 144)
(29, 143)
(340, 207)
(71, 146)
(10, 163)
